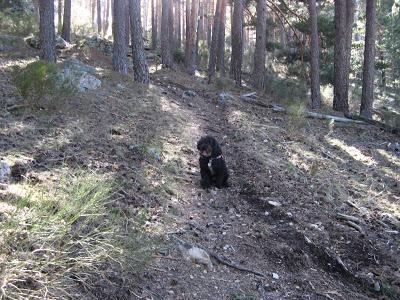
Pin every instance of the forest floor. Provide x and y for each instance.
(290, 177)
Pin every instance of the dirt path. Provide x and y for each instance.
(240, 225)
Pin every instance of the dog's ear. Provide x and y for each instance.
(216, 149)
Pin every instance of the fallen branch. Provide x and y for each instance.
(352, 204)
(218, 258)
(348, 218)
(234, 266)
(379, 124)
(355, 226)
(310, 114)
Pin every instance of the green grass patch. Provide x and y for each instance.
(63, 240)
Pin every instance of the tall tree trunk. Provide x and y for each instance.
(237, 42)
(343, 32)
(210, 24)
(221, 39)
(179, 25)
(140, 68)
(153, 24)
(187, 30)
(99, 16)
(315, 83)
(119, 32)
(171, 26)
(212, 61)
(367, 97)
(199, 28)
(191, 61)
(107, 18)
(36, 12)
(145, 16)
(66, 29)
(127, 23)
(59, 18)
(47, 30)
(93, 13)
(165, 41)
(259, 52)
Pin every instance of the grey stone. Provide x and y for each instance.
(88, 82)
(5, 171)
(78, 75)
(189, 94)
(225, 97)
(98, 43)
(34, 42)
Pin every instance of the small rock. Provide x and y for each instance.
(274, 203)
(266, 213)
(5, 171)
(88, 82)
(275, 276)
(189, 94)
(154, 153)
(394, 147)
(377, 286)
(224, 97)
(198, 256)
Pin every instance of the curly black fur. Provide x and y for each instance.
(213, 168)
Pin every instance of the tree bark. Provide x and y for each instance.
(107, 18)
(342, 55)
(165, 41)
(171, 26)
(47, 30)
(199, 26)
(367, 98)
(59, 18)
(237, 42)
(179, 25)
(66, 28)
(191, 61)
(221, 39)
(140, 68)
(99, 16)
(315, 82)
(187, 30)
(212, 61)
(127, 23)
(119, 32)
(93, 13)
(259, 52)
(153, 24)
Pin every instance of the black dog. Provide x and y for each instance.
(213, 168)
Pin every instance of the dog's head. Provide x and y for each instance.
(208, 147)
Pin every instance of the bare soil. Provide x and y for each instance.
(146, 138)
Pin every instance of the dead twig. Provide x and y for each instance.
(355, 226)
(348, 218)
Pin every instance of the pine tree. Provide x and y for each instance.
(140, 68)
(66, 28)
(259, 52)
(315, 82)
(165, 41)
(237, 42)
(367, 97)
(119, 31)
(47, 30)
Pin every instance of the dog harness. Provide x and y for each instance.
(210, 163)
